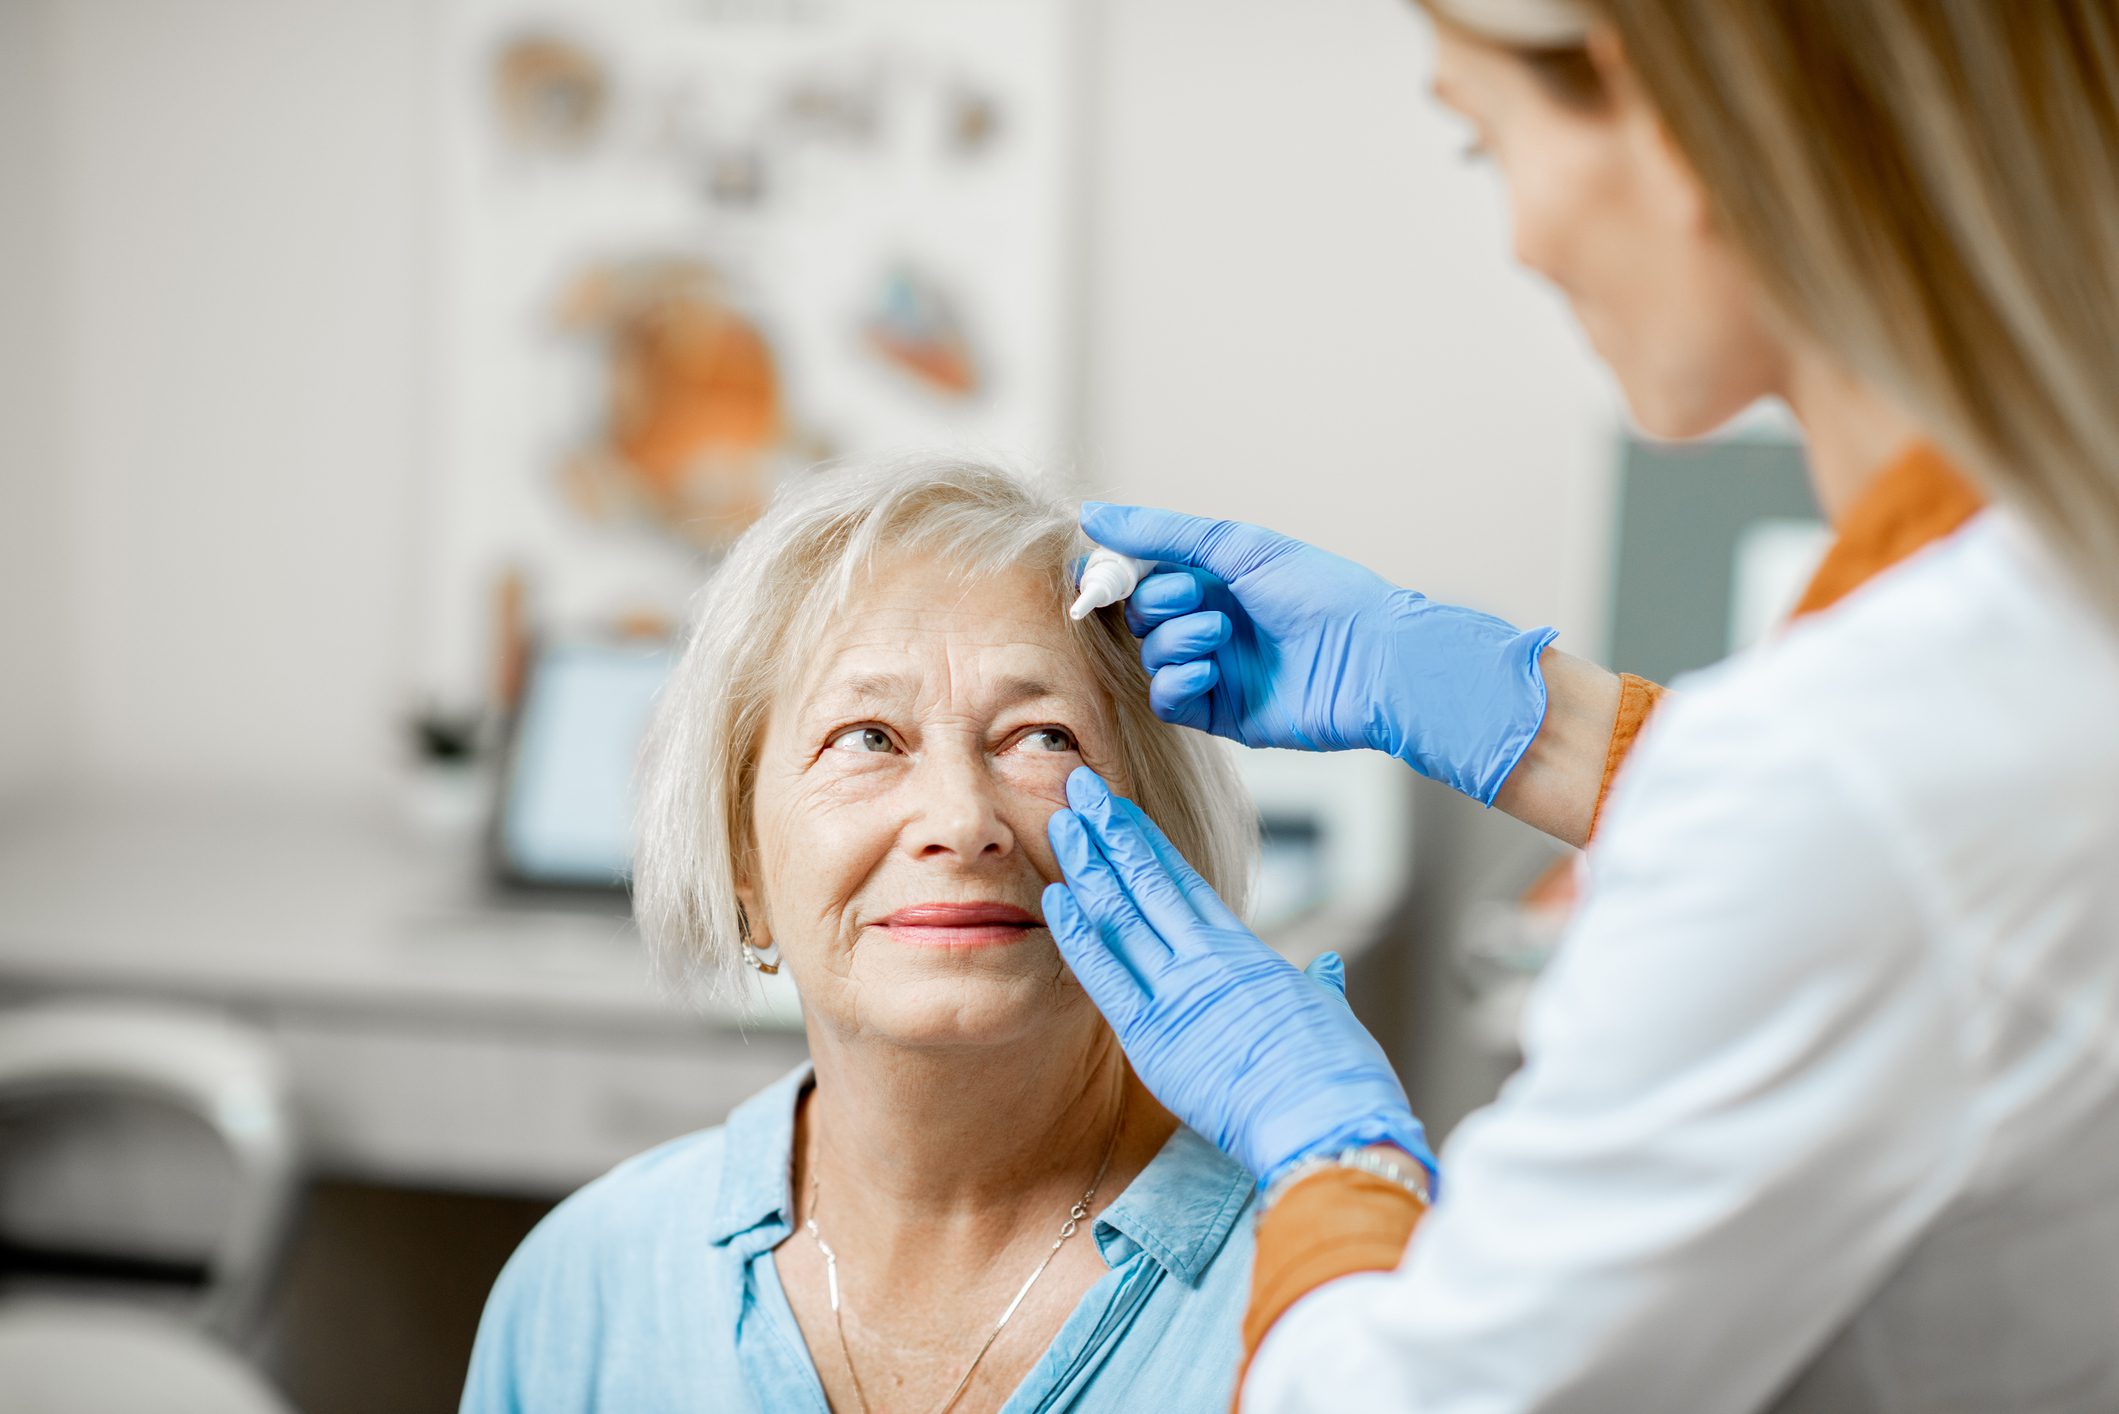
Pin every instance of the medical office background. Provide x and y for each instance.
(329, 376)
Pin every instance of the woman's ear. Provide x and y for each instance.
(1666, 176)
(750, 917)
(750, 901)
(1614, 74)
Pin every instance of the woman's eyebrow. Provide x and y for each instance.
(864, 687)
(1008, 692)
(886, 687)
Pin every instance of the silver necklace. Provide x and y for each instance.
(1075, 1215)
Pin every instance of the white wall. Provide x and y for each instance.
(36, 676)
(1300, 312)
(1303, 312)
(241, 294)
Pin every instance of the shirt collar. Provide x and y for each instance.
(757, 1169)
(1179, 1209)
(1915, 501)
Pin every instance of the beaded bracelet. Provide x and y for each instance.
(1411, 1175)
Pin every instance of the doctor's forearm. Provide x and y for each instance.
(1557, 784)
(1332, 1224)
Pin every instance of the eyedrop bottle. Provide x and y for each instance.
(1107, 577)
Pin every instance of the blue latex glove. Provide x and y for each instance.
(1271, 642)
(1262, 1058)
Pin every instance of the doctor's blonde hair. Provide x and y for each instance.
(1927, 188)
(771, 600)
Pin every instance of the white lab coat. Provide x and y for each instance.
(1820, 1108)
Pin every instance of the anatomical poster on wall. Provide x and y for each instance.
(688, 249)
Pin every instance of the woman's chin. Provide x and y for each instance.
(969, 1006)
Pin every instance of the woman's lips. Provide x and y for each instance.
(958, 925)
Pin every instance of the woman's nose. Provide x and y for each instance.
(957, 806)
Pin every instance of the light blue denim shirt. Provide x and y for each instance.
(653, 1288)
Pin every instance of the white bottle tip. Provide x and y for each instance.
(1107, 578)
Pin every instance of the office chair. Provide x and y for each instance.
(73, 1356)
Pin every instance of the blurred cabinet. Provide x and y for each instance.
(437, 1037)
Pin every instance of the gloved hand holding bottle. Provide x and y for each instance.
(1262, 1058)
(1270, 642)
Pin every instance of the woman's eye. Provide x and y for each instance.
(1050, 739)
(869, 739)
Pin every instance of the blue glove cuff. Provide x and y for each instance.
(1522, 657)
(1503, 704)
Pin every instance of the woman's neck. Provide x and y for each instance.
(929, 1149)
(1852, 432)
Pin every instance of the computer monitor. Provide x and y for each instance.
(568, 783)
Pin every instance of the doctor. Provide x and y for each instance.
(1820, 1104)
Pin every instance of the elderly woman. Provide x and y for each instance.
(966, 1201)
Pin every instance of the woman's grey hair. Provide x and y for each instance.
(775, 593)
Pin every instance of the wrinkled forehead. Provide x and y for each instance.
(935, 627)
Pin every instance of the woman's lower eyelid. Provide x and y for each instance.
(1022, 735)
(837, 733)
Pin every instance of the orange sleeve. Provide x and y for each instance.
(1637, 698)
(1334, 1223)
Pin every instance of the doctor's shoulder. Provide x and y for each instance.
(592, 1277)
(1975, 682)
(1972, 671)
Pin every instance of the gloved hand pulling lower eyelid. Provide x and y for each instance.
(1321, 654)
(1263, 1059)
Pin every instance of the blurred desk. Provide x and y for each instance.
(439, 1036)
